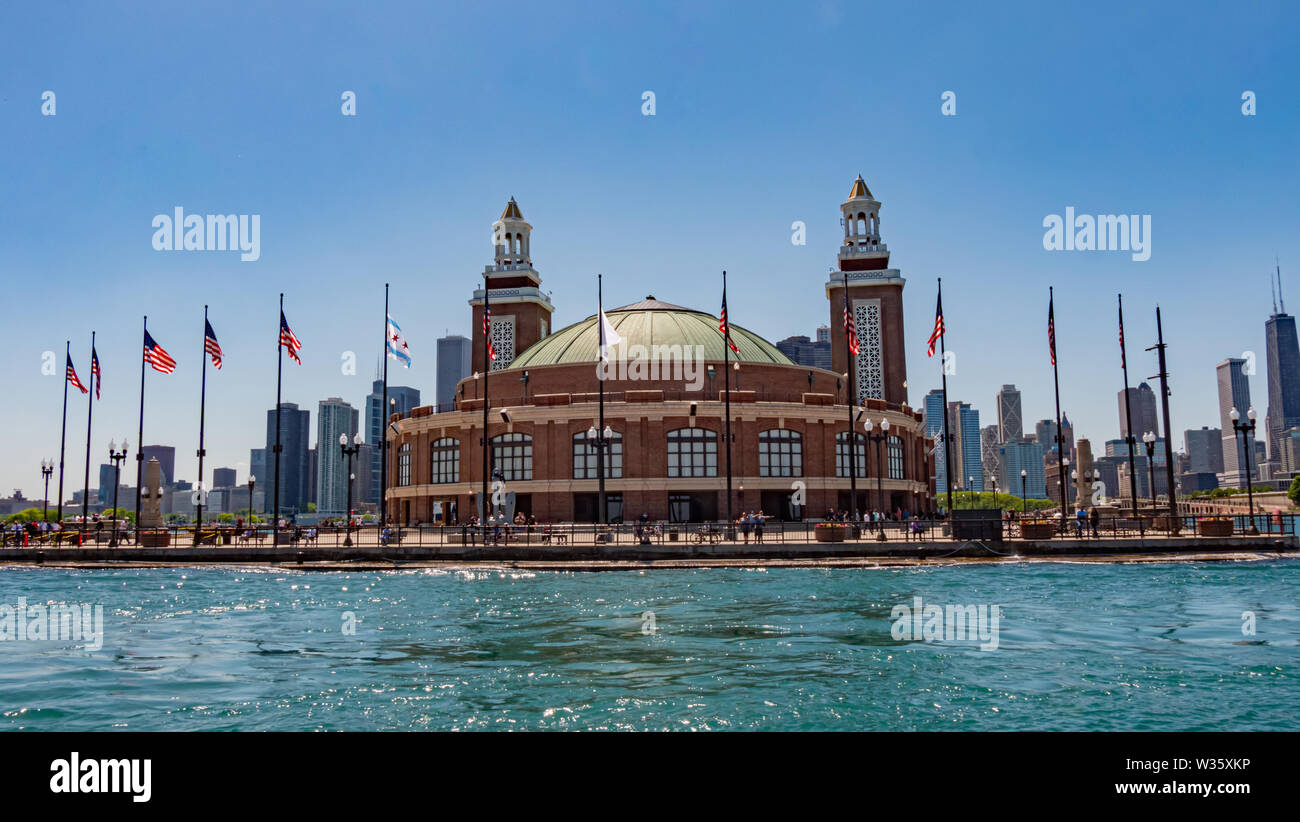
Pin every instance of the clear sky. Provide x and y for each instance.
(765, 112)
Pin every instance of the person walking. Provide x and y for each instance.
(1095, 518)
(759, 521)
(745, 522)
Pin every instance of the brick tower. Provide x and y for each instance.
(875, 298)
(521, 311)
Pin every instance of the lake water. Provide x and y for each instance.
(1080, 646)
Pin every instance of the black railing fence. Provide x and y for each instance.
(651, 533)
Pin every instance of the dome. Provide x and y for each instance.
(650, 322)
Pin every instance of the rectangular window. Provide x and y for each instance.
(692, 452)
(404, 464)
(780, 453)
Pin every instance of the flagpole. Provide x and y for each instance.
(1128, 413)
(487, 343)
(383, 429)
(1056, 379)
(63, 438)
(601, 445)
(139, 438)
(203, 404)
(90, 413)
(1174, 524)
(852, 398)
(726, 378)
(279, 372)
(947, 430)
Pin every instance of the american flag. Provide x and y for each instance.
(95, 376)
(288, 340)
(848, 329)
(487, 331)
(1051, 327)
(724, 327)
(156, 356)
(72, 377)
(937, 333)
(210, 345)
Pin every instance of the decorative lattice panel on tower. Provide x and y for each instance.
(503, 341)
(871, 368)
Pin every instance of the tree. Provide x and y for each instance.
(311, 507)
(1293, 493)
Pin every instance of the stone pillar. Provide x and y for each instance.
(1083, 483)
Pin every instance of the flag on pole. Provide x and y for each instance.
(724, 326)
(487, 332)
(937, 333)
(156, 356)
(1123, 360)
(854, 348)
(288, 340)
(608, 336)
(1051, 328)
(72, 378)
(210, 344)
(396, 342)
(95, 376)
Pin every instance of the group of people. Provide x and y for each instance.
(752, 521)
(500, 525)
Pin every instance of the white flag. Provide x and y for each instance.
(397, 347)
(608, 336)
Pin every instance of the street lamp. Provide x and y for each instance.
(600, 440)
(970, 489)
(116, 456)
(348, 454)
(47, 468)
(1247, 431)
(1024, 500)
(879, 440)
(1149, 440)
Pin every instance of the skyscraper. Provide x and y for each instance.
(1142, 401)
(223, 477)
(107, 480)
(259, 472)
(401, 401)
(1234, 392)
(1283, 355)
(990, 459)
(1017, 456)
(454, 353)
(1204, 449)
(806, 352)
(933, 427)
(166, 456)
(966, 451)
(334, 418)
(1011, 425)
(295, 465)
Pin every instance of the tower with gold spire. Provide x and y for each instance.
(875, 293)
(521, 311)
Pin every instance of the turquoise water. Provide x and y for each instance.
(1110, 647)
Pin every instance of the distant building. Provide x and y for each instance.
(107, 479)
(454, 365)
(1142, 401)
(223, 477)
(1234, 392)
(400, 401)
(1022, 455)
(967, 452)
(990, 458)
(807, 352)
(1011, 425)
(1204, 449)
(933, 417)
(334, 418)
(166, 456)
(1283, 356)
(295, 458)
(258, 470)
(1289, 452)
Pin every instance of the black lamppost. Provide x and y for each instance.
(1024, 500)
(970, 490)
(1149, 440)
(600, 440)
(348, 454)
(1247, 431)
(879, 440)
(252, 480)
(47, 468)
(116, 456)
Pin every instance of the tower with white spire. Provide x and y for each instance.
(521, 311)
(875, 294)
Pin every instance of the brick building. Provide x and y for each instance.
(664, 406)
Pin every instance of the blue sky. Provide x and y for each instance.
(765, 113)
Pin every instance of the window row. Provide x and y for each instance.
(691, 452)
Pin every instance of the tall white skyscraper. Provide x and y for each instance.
(1234, 392)
(334, 418)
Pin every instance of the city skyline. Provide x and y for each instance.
(688, 187)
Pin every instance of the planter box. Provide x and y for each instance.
(155, 539)
(830, 533)
(1214, 528)
(1037, 530)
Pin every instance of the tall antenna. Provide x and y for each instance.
(1272, 287)
(1279, 283)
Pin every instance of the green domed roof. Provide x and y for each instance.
(649, 323)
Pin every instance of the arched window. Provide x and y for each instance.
(444, 460)
(512, 457)
(404, 464)
(842, 454)
(896, 464)
(692, 452)
(780, 453)
(584, 457)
